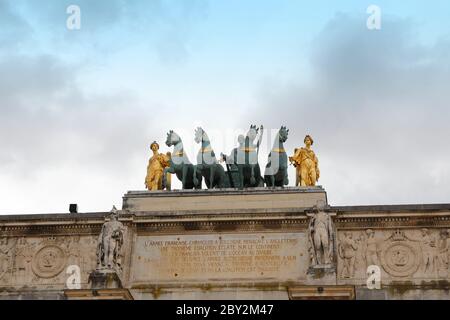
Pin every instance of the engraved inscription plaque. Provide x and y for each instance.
(280, 256)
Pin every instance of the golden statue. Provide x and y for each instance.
(155, 169)
(306, 163)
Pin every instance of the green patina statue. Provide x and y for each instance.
(231, 161)
(207, 165)
(242, 163)
(276, 173)
(180, 164)
(243, 170)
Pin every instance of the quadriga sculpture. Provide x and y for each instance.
(179, 163)
(276, 173)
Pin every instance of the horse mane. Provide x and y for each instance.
(203, 133)
(171, 132)
(198, 129)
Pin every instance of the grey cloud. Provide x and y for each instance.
(13, 28)
(51, 126)
(60, 145)
(108, 26)
(48, 120)
(378, 108)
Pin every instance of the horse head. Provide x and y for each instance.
(200, 135)
(283, 134)
(172, 138)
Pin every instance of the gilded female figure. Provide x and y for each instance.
(306, 163)
(155, 168)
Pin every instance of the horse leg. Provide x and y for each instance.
(286, 178)
(164, 177)
(241, 177)
(220, 178)
(199, 177)
(212, 171)
(252, 178)
(184, 172)
(195, 179)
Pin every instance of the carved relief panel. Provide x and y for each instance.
(402, 254)
(33, 262)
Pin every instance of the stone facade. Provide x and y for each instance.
(230, 244)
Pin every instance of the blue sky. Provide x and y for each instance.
(81, 107)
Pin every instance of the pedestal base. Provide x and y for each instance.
(105, 279)
(322, 274)
(103, 294)
(223, 200)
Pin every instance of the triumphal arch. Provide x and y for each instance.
(247, 235)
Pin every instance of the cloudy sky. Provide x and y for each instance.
(79, 108)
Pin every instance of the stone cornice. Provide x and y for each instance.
(218, 192)
(343, 211)
(350, 217)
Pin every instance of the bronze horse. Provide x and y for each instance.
(180, 164)
(207, 165)
(276, 173)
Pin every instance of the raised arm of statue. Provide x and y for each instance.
(261, 131)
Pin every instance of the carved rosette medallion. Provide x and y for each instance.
(400, 258)
(49, 261)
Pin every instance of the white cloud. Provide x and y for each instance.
(377, 106)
